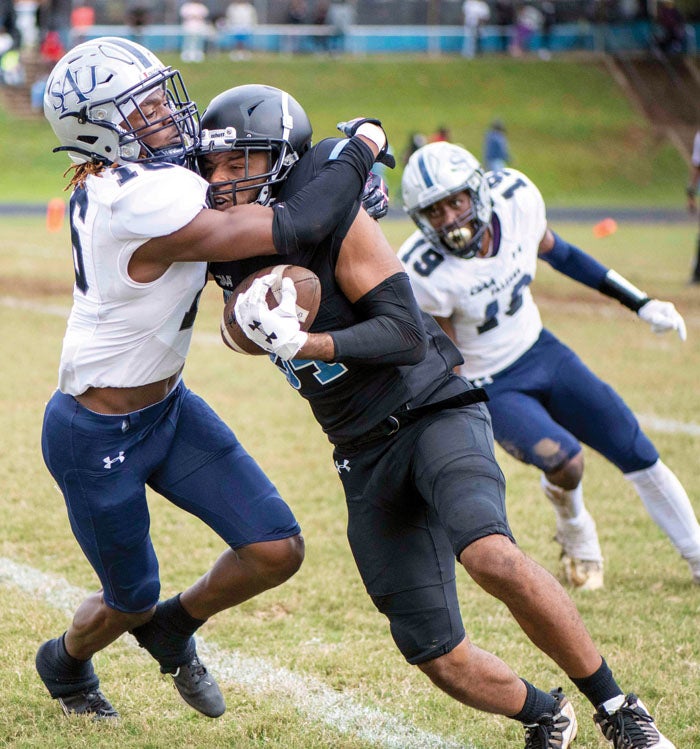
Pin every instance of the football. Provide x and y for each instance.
(308, 289)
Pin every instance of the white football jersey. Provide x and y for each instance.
(489, 299)
(122, 333)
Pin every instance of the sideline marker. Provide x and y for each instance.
(55, 212)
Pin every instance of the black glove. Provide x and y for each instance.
(375, 197)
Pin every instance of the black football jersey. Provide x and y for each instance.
(348, 399)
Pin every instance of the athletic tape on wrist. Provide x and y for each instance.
(373, 133)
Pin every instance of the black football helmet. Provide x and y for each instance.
(254, 118)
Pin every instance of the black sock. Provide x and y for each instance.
(600, 686)
(168, 635)
(179, 621)
(61, 673)
(537, 704)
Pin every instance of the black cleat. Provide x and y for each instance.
(93, 703)
(199, 689)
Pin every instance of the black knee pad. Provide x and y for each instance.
(425, 623)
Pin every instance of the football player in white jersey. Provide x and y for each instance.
(122, 417)
(471, 264)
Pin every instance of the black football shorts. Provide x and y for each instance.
(415, 501)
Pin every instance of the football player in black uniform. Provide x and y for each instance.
(413, 444)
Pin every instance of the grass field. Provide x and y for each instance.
(311, 665)
(570, 127)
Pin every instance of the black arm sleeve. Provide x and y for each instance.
(393, 330)
(311, 214)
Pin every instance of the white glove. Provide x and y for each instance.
(662, 316)
(276, 330)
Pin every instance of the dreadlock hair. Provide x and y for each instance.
(82, 171)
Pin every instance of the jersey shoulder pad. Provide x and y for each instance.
(157, 201)
(513, 185)
(515, 195)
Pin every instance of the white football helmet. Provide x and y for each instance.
(94, 88)
(436, 171)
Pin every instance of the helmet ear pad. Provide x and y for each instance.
(97, 85)
(436, 171)
(257, 118)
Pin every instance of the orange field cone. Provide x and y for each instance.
(55, 212)
(605, 228)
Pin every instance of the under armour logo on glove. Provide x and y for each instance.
(276, 330)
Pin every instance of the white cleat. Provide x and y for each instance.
(626, 724)
(583, 574)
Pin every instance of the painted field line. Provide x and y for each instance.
(668, 426)
(309, 695)
(14, 302)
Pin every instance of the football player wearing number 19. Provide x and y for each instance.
(471, 264)
(122, 418)
(412, 440)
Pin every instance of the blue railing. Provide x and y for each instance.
(365, 40)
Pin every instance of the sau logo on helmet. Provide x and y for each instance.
(80, 83)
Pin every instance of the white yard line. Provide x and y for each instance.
(668, 426)
(315, 699)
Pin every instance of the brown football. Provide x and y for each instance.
(308, 299)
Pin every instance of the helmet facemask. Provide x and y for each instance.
(463, 236)
(183, 115)
(280, 157)
(253, 119)
(439, 171)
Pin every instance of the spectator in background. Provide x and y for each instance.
(82, 19)
(296, 11)
(322, 40)
(548, 19)
(528, 21)
(496, 153)
(241, 19)
(475, 13)
(6, 42)
(11, 72)
(415, 141)
(137, 16)
(442, 133)
(669, 34)
(54, 15)
(692, 192)
(51, 48)
(8, 25)
(341, 16)
(195, 27)
(296, 14)
(504, 16)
